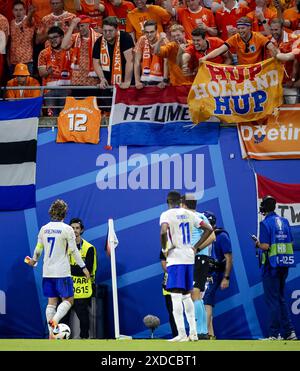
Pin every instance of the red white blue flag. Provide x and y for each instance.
(288, 202)
(154, 116)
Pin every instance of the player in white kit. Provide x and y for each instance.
(177, 225)
(56, 238)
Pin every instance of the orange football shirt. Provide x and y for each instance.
(79, 121)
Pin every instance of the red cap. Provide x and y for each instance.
(84, 19)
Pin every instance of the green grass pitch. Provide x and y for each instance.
(146, 345)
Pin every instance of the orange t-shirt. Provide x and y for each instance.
(42, 8)
(189, 20)
(119, 11)
(226, 18)
(21, 42)
(177, 78)
(293, 16)
(63, 21)
(135, 19)
(69, 6)
(95, 15)
(60, 61)
(16, 94)
(212, 44)
(251, 52)
(79, 121)
(286, 45)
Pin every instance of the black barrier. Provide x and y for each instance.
(101, 311)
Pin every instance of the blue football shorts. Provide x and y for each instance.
(180, 276)
(58, 287)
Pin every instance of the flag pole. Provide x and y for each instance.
(114, 277)
(113, 242)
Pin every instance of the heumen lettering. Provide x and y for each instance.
(157, 113)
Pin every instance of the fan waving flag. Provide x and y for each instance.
(18, 144)
(288, 202)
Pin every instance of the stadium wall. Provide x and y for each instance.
(130, 185)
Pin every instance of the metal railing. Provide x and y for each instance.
(50, 122)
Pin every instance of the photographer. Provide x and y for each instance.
(220, 267)
(276, 256)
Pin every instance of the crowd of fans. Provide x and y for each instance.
(100, 43)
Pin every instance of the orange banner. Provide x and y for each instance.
(276, 138)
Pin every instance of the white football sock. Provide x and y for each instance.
(178, 313)
(190, 312)
(62, 310)
(50, 313)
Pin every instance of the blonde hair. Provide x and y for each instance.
(58, 210)
(176, 27)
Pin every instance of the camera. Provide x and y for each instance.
(215, 265)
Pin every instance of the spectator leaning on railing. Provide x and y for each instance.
(202, 46)
(113, 56)
(172, 51)
(149, 68)
(55, 68)
(22, 78)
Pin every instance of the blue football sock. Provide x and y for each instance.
(198, 315)
(204, 329)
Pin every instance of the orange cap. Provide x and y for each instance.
(21, 70)
(84, 19)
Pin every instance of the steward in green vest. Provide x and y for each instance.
(83, 289)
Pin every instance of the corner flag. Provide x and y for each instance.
(111, 244)
(111, 238)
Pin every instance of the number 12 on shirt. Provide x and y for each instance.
(77, 122)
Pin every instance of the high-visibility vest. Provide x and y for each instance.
(83, 288)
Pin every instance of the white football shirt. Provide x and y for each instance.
(57, 238)
(181, 223)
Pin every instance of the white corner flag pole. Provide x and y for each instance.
(113, 242)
